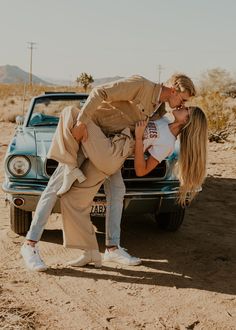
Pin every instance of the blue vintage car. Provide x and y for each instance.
(27, 170)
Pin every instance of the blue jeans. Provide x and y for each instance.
(114, 189)
(45, 205)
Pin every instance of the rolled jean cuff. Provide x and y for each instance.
(114, 241)
(33, 237)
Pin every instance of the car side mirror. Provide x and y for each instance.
(20, 120)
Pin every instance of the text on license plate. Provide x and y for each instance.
(98, 208)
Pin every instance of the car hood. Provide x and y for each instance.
(31, 142)
(43, 141)
(23, 143)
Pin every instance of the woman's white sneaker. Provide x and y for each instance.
(32, 258)
(120, 256)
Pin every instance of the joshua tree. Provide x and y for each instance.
(85, 80)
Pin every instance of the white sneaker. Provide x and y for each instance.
(69, 178)
(32, 258)
(120, 256)
(88, 257)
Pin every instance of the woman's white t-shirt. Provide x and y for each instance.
(158, 139)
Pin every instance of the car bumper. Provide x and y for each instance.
(160, 197)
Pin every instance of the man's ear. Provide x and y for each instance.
(173, 90)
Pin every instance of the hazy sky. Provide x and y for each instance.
(119, 37)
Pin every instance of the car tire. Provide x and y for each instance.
(20, 220)
(170, 221)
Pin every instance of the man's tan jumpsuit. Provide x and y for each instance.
(112, 107)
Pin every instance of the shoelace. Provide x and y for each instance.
(36, 251)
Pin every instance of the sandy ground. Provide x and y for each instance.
(187, 279)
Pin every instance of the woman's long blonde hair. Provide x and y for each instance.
(193, 155)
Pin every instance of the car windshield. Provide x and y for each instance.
(46, 110)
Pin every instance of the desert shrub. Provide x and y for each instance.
(213, 99)
(14, 315)
(13, 90)
(216, 80)
(9, 117)
(234, 112)
(220, 118)
(20, 95)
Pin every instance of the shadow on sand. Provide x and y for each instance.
(200, 255)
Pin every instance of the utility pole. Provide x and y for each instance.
(160, 69)
(31, 48)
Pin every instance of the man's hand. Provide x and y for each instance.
(140, 128)
(79, 132)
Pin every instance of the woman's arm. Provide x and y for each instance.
(142, 166)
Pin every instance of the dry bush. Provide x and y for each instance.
(14, 315)
(17, 318)
(10, 116)
(15, 97)
(214, 88)
(13, 90)
(221, 119)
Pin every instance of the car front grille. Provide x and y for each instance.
(127, 170)
(50, 166)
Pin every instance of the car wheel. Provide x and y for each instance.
(20, 220)
(170, 221)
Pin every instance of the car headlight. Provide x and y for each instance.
(18, 165)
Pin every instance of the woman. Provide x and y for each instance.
(158, 138)
(191, 124)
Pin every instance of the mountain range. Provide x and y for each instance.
(12, 74)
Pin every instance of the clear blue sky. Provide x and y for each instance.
(119, 37)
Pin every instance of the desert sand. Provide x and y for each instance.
(187, 279)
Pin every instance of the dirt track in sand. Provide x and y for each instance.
(186, 281)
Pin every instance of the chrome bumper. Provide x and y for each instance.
(136, 200)
(14, 188)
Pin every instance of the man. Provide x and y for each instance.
(112, 107)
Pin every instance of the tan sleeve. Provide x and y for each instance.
(64, 147)
(120, 90)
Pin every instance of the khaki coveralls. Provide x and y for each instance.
(113, 108)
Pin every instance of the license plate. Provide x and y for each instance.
(98, 208)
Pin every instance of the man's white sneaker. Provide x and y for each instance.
(120, 256)
(88, 257)
(32, 258)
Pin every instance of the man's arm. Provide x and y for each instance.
(121, 90)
